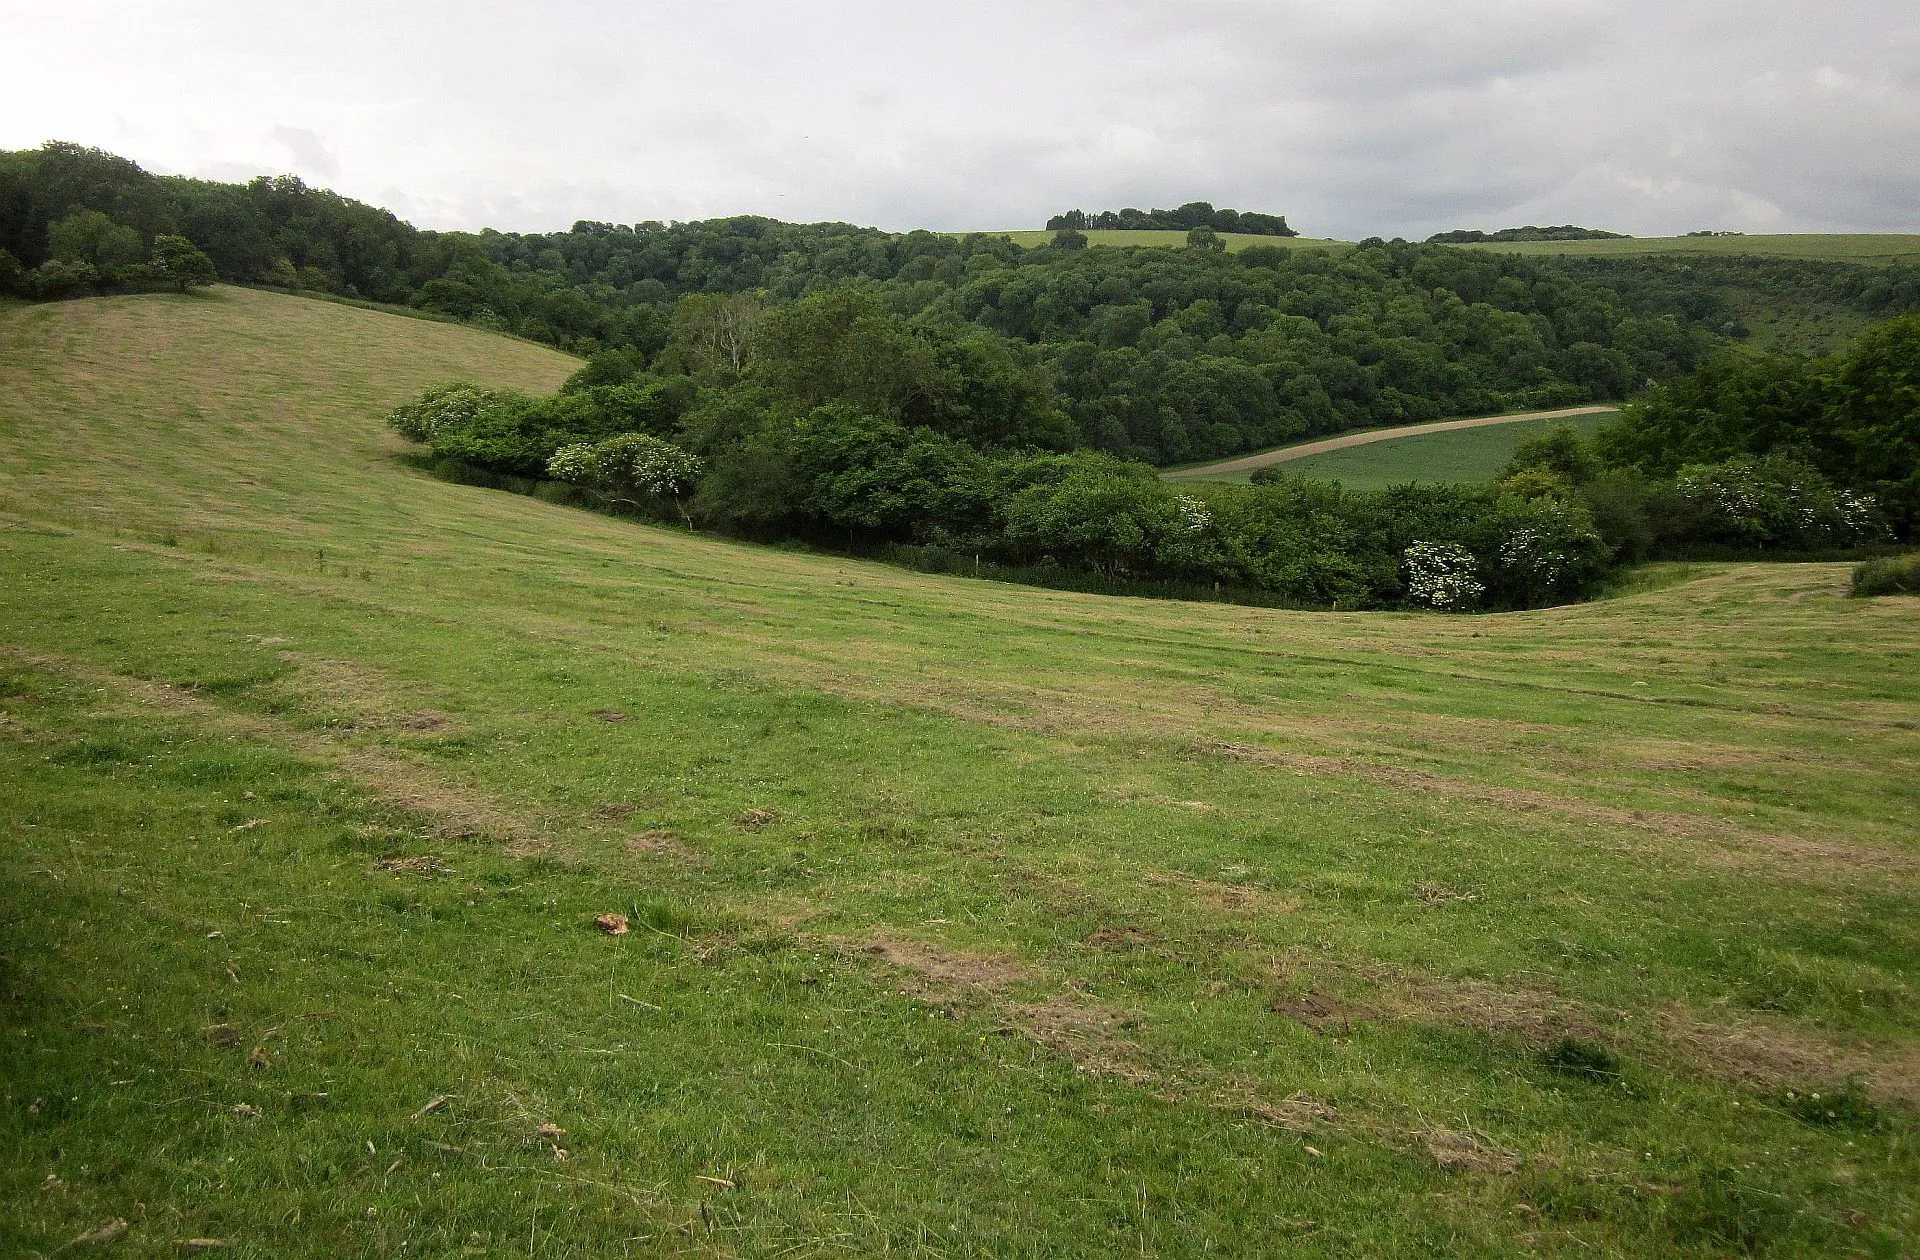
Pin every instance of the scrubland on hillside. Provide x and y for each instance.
(963, 918)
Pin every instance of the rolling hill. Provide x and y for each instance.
(956, 918)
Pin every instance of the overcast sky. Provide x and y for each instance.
(1352, 117)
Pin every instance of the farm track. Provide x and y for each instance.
(1287, 454)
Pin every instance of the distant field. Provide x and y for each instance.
(1459, 456)
(1440, 432)
(1879, 249)
(1236, 241)
(966, 919)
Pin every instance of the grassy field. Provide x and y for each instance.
(1461, 455)
(966, 919)
(1857, 247)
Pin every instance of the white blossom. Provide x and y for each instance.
(1441, 575)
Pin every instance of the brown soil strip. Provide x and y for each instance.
(1287, 454)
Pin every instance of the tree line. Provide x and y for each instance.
(1195, 214)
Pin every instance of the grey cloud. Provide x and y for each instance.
(1354, 117)
(310, 154)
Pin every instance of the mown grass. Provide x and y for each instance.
(1453, 457)
(969, 919)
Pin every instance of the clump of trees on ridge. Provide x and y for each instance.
(1195, 214)
(1566, 232)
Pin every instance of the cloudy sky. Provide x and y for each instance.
(1352, 117)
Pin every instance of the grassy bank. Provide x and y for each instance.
(966, 919)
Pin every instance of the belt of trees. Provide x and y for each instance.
(835, 421)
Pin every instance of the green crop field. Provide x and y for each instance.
(1857, 247)
(1456, 456)
(966, 919)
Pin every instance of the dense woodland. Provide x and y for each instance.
(1195, 214)
(964, 402)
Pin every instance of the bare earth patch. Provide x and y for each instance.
(663, 844)
(1324, 1015)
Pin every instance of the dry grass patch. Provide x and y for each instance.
(1217, 895)
(1464, 1152)
(939, 968)
(1088, 1032)
(1297, 1113)
(456, 811)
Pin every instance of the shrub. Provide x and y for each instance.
(629, 468)
(1441, 576)
(179, 263)
(1895, 575)
(1776, 501)
(441, 406)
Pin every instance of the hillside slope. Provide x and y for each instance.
(966, 919)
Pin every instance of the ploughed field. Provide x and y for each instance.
(965, 919)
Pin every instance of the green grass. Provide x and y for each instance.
(1854, 247)
(1459, 455)
(969, 919)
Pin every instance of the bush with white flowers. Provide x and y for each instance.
(1777, 501)
(444, 406)
(628, 468)
(1442, 576)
